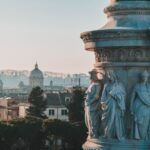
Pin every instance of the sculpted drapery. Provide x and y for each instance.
(92, 107)
(113, 106)
(112, 101)
(140, 108)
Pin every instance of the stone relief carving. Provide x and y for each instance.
(122, 54)
(108, 103)
(122, 44)
(92, 106)
(140, 108)
(113, 106)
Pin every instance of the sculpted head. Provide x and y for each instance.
(144, 76)
(94, 75)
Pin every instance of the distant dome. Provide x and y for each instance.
(36, 72)
(36, 77)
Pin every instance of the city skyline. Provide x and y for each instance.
(48, 32)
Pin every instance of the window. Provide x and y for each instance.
(64, 112)
(67, 100)
(51, 112)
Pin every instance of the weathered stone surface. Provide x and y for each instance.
(122, 45)
(103, 144)
(92, 106)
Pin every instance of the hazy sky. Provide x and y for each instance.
(48, 31)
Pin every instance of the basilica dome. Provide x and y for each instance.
(36, 72)
(36, 77)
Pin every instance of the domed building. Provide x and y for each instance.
(36, 77)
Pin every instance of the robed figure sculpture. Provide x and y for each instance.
(92, 106)
(113, 106)
(140, 108)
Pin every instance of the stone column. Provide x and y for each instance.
(123, 45)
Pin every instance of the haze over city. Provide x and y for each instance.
(48, 32)
(55, 95)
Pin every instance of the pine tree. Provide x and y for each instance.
(37, 102)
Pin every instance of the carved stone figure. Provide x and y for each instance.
(140, 108)
(92, 106)
(113, 106)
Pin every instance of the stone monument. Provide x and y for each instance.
(122, 55)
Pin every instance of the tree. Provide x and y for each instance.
(22, 133)
(75, 107)
(37, 102)
(71, 133)
(76, 117)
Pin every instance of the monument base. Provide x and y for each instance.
(105, 144)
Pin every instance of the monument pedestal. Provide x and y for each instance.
(103, 144)
(122, 56)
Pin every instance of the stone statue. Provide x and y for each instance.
(92, 106)
(113, 106)
(140, 108)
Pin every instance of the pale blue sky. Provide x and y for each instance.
(48, 31)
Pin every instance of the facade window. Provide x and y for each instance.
(64, 112)
(51, 112)
(67, 100)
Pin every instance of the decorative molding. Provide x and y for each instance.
(123, 54)
(128, 8)
(120, 6)
(127, 12)
(116, 34)
(122, 64)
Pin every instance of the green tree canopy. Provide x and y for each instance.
(37, 102)
(75, 107)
